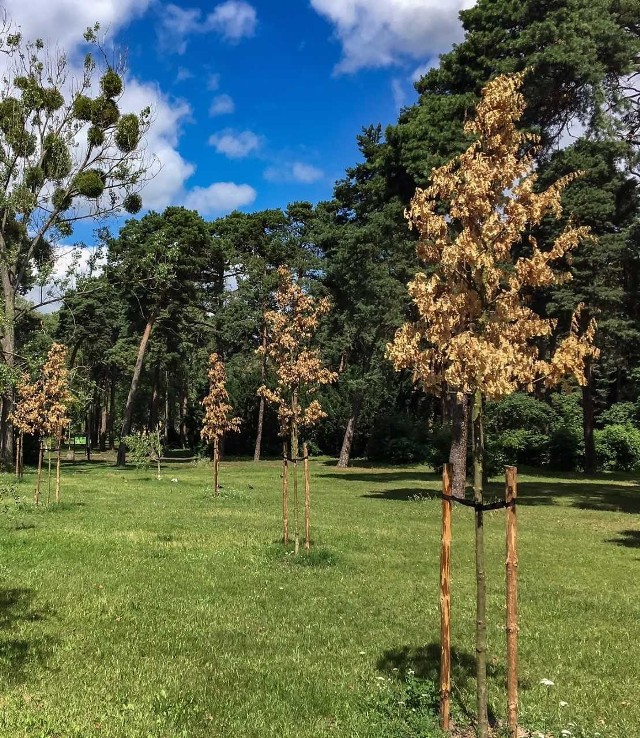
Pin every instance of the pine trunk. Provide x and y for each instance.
(347, 441)
(459, 408)
(135, 381)
(481, 582)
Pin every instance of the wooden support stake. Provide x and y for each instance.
(216, 466)
(58, 470)
(511, 493)
(285, 496)
(445, 600)
(40, 457)
(18, 456)
(307, 499)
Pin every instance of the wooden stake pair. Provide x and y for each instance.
(511, 493)
(285, 497)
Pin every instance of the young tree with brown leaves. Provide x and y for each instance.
(476, 333)
(217, 413)
(299, 374)
(27, 417)
(57, 399)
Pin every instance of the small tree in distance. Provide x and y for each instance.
(217, 413)
(476, 332)
(299, 374)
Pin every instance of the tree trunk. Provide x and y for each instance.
(104, 422)
(263, 374)
(154, 407)
(216, 463)
(588, 421)
(481, 583)
(184, 407)
(347, 441)
(8, 343)
(285, 494)
(111, 417)
(458, 454)
(135, 381)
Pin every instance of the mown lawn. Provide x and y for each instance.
(148, 609)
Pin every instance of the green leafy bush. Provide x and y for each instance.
(566, 447)
(620, 413)
(398, 439)
(618, 447)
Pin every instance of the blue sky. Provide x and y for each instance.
(257, 103)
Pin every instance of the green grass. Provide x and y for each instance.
(148, 609)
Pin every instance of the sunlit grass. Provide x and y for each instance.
(144, 608)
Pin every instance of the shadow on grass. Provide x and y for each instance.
(423, 662)
(582, 494)
(402, 493)
(17, 655)
(628, 538)
(383, 476)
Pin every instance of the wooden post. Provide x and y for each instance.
(216, 461)
(18, 456)
(445, 600)
(285, 495)
(40, 457)
(59, 451)
(511, 493)
(307, 499)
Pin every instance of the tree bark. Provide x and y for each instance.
(481, 583)
(263, 373)
(58, 452)
(588, 421)
(184, 407)
(135, 381)
(8, 343)
(104, 422)
(154, 407)
(294, 456)
(458, 453)
(347, 441)
(111, 417)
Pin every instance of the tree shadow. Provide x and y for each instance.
(402, 493)
(383, 476)
(582, 494)
(17, 654)
(628, 538)
(423, 662)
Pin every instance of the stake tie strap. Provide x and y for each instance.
(479, 506)
(294, 458)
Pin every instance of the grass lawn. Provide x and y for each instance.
(148, 609)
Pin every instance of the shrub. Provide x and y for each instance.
(618, 447)
(620, 413)
(566, 447)
(398, 439)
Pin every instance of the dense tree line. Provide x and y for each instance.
(176, 288)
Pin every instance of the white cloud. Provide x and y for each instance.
(295, 171)
(183, 73)
(213, 82)
(234, 19)
(219, 198)
(172, 170)
(235, 145)
(221, 105)
(64, 21)
(379, 33)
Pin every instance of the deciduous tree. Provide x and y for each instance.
(476, 329)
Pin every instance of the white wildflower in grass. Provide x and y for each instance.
(546, 682)
(174, 480)
(562, 703)
(566, 733)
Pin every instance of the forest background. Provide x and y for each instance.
(193, 286)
